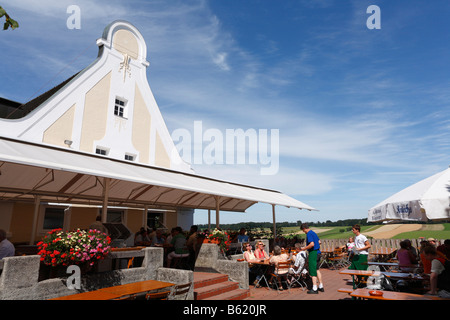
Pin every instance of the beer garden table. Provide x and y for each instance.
(121, 291)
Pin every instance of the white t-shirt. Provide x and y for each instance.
(360, 243)
(300, 261)
(437, 266)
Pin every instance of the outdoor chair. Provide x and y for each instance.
(338, 260)
(298, 278)
(163, 295)
(128, 297)
(280, 275)
(179, 290)
(181, 262)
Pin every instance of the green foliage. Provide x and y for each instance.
(9, 21)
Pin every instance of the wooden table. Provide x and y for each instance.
(382, 254)
(403, 275)
(359, 273)
(90, 295)
(263, 267)
(135, 288)
(121, 291)
(389, 265)
(391, 295)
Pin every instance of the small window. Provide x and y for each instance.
(53, 218)
(120, 108)
(102, 151)
(129, 157)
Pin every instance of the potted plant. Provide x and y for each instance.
(79, 247)
(221, 238)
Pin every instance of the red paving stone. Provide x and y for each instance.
(332, 282)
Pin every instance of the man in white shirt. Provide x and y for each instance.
(6, 247)
(361, 253)
(300, 260)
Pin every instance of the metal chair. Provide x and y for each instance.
(298, 276)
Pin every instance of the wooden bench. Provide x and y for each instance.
(345, 290)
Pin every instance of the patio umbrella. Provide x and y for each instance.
(426, 199)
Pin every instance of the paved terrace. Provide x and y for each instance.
(332, 282)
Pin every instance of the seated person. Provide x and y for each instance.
(277, 258)
(405, 257)
(249, 256)
(350, 246)
(179, 244)
(300, 261)
(158, 239)
(7, 249)
(440, 271)
(445, 248)
(260, 253)
(142, 238)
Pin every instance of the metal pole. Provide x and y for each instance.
(274, 223)
(217, 211)
(209, 219)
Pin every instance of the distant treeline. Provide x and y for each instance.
(262, 225)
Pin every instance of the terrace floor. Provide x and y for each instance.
(332, 281)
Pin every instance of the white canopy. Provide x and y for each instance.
(55, 174)
(427, 199)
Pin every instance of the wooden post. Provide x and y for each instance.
(144, 217)
(106, 183)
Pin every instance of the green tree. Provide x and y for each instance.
(9, 21)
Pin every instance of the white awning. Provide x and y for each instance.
(63, 175)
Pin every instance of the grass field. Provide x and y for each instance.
(438, 234)
(427, 231)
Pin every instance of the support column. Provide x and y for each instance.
(144, 217)
(209, 219)
(37, 202)
(217, 211)
(274, 222)
(106, 183)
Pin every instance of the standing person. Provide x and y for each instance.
(361, 253)
(190, 244)
(313, 247)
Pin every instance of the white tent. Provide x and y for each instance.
(426, 199)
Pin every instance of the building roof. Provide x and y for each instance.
(21, 110)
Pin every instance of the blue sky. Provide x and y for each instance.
(361, 113)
